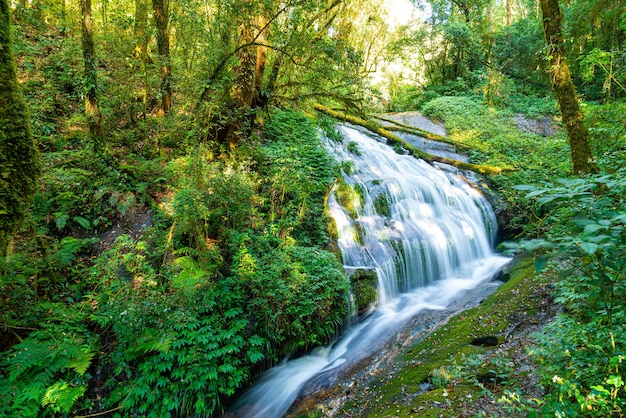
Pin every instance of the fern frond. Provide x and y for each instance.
(60, 397)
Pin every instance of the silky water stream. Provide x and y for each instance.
(431, 243)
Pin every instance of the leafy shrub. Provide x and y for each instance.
(82, 190)
(297, 296)
(581, 352)
(297, 174)
(181, 346)
(404, 98)
(211, 198)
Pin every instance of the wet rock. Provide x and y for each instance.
(546, 126)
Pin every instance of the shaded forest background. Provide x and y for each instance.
(170, 240)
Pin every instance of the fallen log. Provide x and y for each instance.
(400, 127)
(413, 150)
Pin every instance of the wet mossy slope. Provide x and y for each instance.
(457, 363)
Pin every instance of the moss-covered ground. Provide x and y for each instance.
(441, 374)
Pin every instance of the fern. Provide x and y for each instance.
(61, 396)
(191, 275)
(151, 340)
(40, 367)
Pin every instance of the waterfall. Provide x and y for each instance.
(424, 230)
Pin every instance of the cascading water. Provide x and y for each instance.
(423, 229)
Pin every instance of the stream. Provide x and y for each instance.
(427, 233)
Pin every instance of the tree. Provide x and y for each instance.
(92, 110)
(565, 91)
(303, 47)
(161, 21)
(19, 157)
(597, 32)
(142, 35)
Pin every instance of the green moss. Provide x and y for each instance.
(364, 287)
(447, 346)
(381, 204)
(353, 147)
(348, 197)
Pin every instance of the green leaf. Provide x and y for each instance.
(615, 381)
(62, 221)
(81, 364)
(541, 262)
(524, 187)
(593, 228)
(82, 222)
(588, 247)
(60, 397)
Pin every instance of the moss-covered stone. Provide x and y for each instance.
(404, 395)
(19, 158)
(381, 204)
(348, 197)
(364, 287)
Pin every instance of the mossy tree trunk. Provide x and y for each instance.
(161, 21)
(19, 158)
(92, 110)
(142, 38)
(142, 35)
(573, 120)
(413, 150)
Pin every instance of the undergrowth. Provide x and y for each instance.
(228, 276)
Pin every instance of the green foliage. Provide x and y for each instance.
(518, 52)
(329, 126)
(298, 174)
(592, 290)
(496, 88)
(297, 296)
(211, 197)
(46, 373)
(353, 147)
(408, 97)
(181, 347)
(606, 127)
(82, 190)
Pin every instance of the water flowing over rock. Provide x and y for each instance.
(424, 230)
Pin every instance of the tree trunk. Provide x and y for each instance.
(161, 21)
(91, 94)
(246, 91)
(142, 36)
(19, 157)
(582, 158)
(259, 98)
(509, 12)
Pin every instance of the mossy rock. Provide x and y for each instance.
(348, 197)
(382, 206)
(365, 288)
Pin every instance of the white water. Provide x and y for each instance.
(433, 248)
